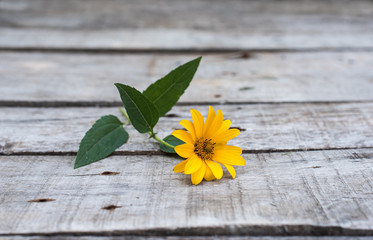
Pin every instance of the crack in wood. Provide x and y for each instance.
(239, 128)
(104, 173)
(111, 207)
(39, 200)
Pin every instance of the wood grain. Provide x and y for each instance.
(197, 24)
(294, 76)
(265, 127)
(236, 77)
(298, 193)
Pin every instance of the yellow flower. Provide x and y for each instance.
(206, 146)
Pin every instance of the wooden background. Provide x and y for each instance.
(295, 76)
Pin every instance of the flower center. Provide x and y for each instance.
(204, 148)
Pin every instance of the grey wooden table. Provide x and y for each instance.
(295, 76)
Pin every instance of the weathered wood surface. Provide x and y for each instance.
(186, 24)
(270, 77)
(298, 193)
(265, 127)
(293, 75)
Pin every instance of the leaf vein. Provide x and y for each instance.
(137, 107)
(172, 85)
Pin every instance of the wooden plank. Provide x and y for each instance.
(179, 40)
(298, 193)
(265, 127)
(186, 24)
(269, 77)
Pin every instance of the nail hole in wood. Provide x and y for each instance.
(245, 55)
(111, 207)
(42, 200)
(217, 95)
(246, 88)
(109, 173)
(171, 115)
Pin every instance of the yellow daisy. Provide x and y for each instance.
(206, 146)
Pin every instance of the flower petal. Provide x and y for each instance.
(188, 125)
(194, 163)
(198, 122)
(210, 118)
(231, 170)
(198, 176)
(215, 168)
(224, 127)
(185, 150)
(180, 166)
(227, 135)
(183, 136)
(208, 174)
(227, 148)
(215, 125)
(229, 155)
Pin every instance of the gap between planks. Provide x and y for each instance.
(228, 231)
(169, 237)
(192, 51)
(103, 104)
(160, 153)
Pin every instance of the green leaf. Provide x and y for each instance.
(106, 135)
(174, 141)
(165, 92)
(143, 114)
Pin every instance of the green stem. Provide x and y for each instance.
(126, 115)
(152, 135)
